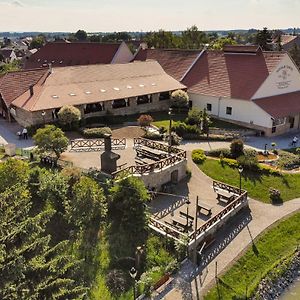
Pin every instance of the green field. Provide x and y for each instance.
(255, 183)
(270, 248)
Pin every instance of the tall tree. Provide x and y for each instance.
(51, 139)
(264, 39)
(29, 267)
(81, 35)
(192, 38)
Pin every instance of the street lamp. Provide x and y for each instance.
(240, 169)
(43, 115)
(170, 128)
(187, 202)
(133, 273)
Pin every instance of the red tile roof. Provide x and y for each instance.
(285, 38)
(14, 84)
(70, 54)
(235, 76)
(281, 105)
(241, 48)
(175, 62)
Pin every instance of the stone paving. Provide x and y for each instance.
(192, 281)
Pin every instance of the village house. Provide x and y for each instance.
(287, 41)
(35, 96)
(242, 84)
(7, 55)
(62, 54)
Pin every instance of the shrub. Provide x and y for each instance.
(175, 139)
(237, 148)
(248, 162)
(145, 120)
(116, 282)
(180, 99)
(217, 152)
(69, 115)
(153, 136)
(288, 160)
(183, 129)
(198, 156)
(274, 194)
(96, 132)
(230, 162)
(194, 117)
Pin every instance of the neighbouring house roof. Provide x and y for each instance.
(176, 62)
(61, 54)
(95, 83)
(282, 105)
(237, 76)
(285, 39)
(241, 48)
(6, 53)
(14, 84)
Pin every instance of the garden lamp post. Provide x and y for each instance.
(240, 169)
(170, 128)
(133, 274)
(187, 202)
(43, 115)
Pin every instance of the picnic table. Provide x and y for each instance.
(204, 209)
(178, 221)
(224, 196)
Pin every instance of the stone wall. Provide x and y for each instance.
(159, 177)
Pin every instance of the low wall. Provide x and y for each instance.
(159, 177)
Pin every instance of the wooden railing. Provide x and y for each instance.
(166, 229)
(88, 145)
(229, 208)
(226, 187)
(147, 168)
(158, 146)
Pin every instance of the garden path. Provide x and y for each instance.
(191, 282)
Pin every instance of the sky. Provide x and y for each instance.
(140, 15)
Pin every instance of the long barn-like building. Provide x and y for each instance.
(35, 96)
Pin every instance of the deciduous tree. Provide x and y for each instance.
(51, 139)
(69, 115)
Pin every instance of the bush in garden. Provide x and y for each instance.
(274, 195)
(232, 163)
(175, 139)
(153, 136)
(194, 117)
(248, 162)
(69, 115)
(145, 120)
(288, 160)
(198, 156)
(180, 99)
(182, 128)
(217, 152)
(237, 148)
(96, 132)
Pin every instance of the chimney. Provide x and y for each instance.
(31, 90)
(107, 142)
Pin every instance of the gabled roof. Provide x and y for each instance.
(14, 84)
(234, 76)
(241, 48)
(61, 54)
(282, 105)
(176, 62)
(285, 38)
(6, 53)
(96, 83)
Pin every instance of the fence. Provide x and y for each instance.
(89, 145)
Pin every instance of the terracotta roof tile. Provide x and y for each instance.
(281, 105)
(14, 84)
(285, 38)
(231, 75)
(71, 54)
(174, 62)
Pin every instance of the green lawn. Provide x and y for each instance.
(255, 183)
(274, 245)
(162, 119)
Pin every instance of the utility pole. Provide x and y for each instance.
(195, 234)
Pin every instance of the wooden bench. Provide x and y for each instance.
(224, 196)
(182, 222)
(204, 209)
(184, 215)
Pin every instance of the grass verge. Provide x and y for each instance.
(274, 245)
(256, 183)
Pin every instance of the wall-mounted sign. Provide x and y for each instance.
(283, 74)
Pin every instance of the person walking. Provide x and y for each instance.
(25, 134)
(294, 141)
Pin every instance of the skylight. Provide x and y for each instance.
(129, 86)
(141, 85)
(72, 94)
(103, 91)
(153, 84)
(116, 89)
(54, 96)
(88, 92)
